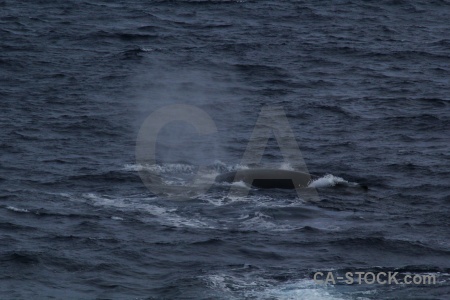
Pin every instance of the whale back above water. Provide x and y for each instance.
(268, 178)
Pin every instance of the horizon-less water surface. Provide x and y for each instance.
(364, 85)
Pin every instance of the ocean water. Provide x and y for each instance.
(364, 86)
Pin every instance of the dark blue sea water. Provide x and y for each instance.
(365, 86)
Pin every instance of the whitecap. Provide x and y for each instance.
(328, 180)
(12, 208)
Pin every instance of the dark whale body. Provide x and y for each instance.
(268, 178)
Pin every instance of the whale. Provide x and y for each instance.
(275, 179)
(268, 178)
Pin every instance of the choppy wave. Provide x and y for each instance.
(236, 287)
(364, 87)
(15, 209)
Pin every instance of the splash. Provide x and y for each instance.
(328, 180)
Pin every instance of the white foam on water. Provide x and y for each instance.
(250, 287)
(222, 167)
(299, 290)
(226, 198)
(240, 184)
(178, 176)
(328, 180)
(166, 216)
(124, 204)
(22, 210)
(162, 168)
(216, 200)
